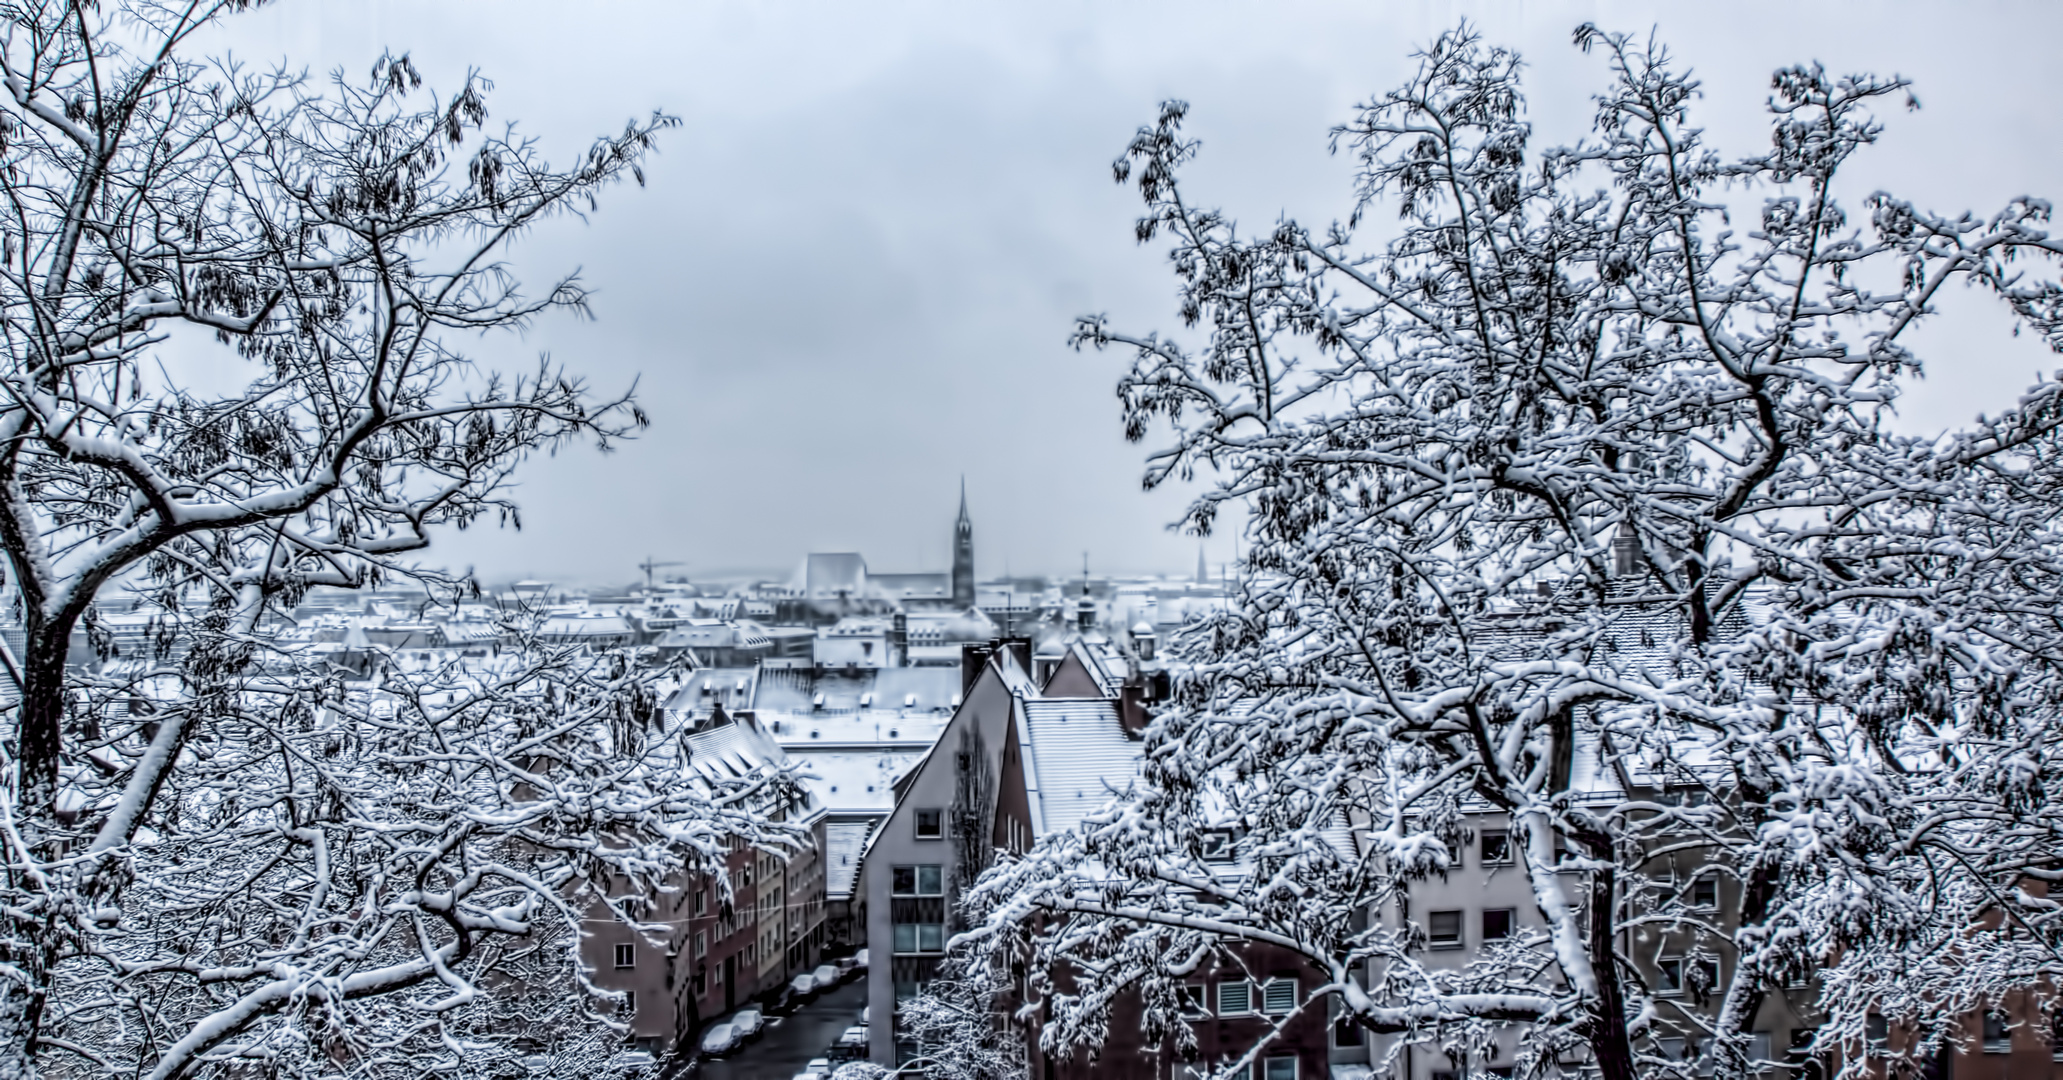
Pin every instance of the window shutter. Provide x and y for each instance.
(1280, 996)
(1235, 998)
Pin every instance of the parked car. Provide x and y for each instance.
(629, 1063)
(821, 1066)
(803, 985)
(851, 1046)
(720, 1040)
(747, 1022)
(847, 965)
(864, 1011)
(827, 977)
(807, 1076)
(783, 1002)
(859, 959)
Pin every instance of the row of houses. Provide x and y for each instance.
(707, 945)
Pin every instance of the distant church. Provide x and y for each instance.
(963, 556)
(841, 581)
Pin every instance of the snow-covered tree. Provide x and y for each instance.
(225, 853)
(1627, 386)
(389, 877)
(961, 1030)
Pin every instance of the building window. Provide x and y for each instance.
(1191, 998)
(1345, 1031)
(1998, 1033)
(1279, 997)
(1705, 891)
(931, 825)
(626, 956)
(920, 937)
(917, 881)
(1235, 998)
(1496, 848)
(1279, 1068)
(1876, 1031)
(1497, 923)
(630, 1003)
(1445, 927)
(701, 901)
(1669, 972)
(1703, 976)
(905, 989)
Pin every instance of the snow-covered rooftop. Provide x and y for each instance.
(844, 843)
(1077, 758)
(854, 781)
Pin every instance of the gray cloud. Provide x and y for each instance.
(852, 275)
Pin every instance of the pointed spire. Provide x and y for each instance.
(1203, 572)
(963, 496)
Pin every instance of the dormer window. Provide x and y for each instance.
(1217, 845)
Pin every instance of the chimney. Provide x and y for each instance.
(972, 659)
(1131, 707)
(1626, 550)
(1021, 648)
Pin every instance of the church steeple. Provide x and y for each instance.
(963, 555)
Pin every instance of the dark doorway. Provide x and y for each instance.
(730, 982)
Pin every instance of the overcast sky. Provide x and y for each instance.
(851, 278)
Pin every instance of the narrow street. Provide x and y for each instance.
(789, 1043)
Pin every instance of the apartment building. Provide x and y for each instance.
(1024, 758)
(714, 952)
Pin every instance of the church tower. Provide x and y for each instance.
(963, 555)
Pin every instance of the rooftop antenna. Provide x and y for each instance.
(650, 565)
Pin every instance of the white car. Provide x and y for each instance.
(859, 959)
(747, 1022)
(864, 1012)
(719, 1040)
(827, 976)
(803, 985)
(628, 1063)
(820, 1066)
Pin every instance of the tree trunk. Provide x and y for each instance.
(1608, 1040)
(46, 646)
(29, 946)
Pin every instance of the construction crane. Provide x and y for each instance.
(650, 565)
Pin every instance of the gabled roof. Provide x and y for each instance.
(1077, 757)
(845, 843)
(1002, 665)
